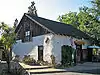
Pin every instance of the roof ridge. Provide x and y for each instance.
(49, 19)
(59, 27)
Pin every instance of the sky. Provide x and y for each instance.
(50, 9)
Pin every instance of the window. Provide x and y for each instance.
(27, 33)
(27, 36)
(47, 40)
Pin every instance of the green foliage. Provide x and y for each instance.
(86, 20)
(67, 52)
(69, 18)
(28, 60)
(7, 39)
(43, 63)
(7, 36)
(96, 13)
(96, 7)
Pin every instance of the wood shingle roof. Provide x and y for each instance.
(58, 27)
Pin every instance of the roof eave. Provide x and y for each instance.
(39, 23)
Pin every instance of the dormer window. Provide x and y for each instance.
(27, 36)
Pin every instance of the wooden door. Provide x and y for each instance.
(79, 53)
(40, 53)
(90, 54)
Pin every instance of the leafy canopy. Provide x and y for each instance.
(7, 35)
(86, 20)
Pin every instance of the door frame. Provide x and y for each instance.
(40, 52)
(79, 52)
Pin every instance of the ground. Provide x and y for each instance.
(87, 72)
(87, 68)
(66, 73)
(2, 66)
(82, 72)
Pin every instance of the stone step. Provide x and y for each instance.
(42, 71)
(29, 67)
(37, 67)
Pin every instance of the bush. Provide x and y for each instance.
(43, 63)
(28, 60)
(67, 52)
(17, 58)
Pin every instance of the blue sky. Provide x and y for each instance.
(50, 9)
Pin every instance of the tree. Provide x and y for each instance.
(79, 20)
(7, 39)
(83, 20)
(96, 7)
(95, 10)
(69, 18)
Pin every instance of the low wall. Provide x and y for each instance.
(17, 69)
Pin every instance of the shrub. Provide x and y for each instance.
(17, 58)
(67, 52)
(43, 63)
(28, 60)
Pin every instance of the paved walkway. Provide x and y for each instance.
(65, 73)
(87, 68)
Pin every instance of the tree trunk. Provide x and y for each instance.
(8, 62)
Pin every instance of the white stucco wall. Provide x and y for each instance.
(28, 48)
(58, 42)
(87, 43)
(53, 47)
(48, 48)
(22, 49)
(31, 48)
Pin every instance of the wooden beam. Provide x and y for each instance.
(39, 24)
